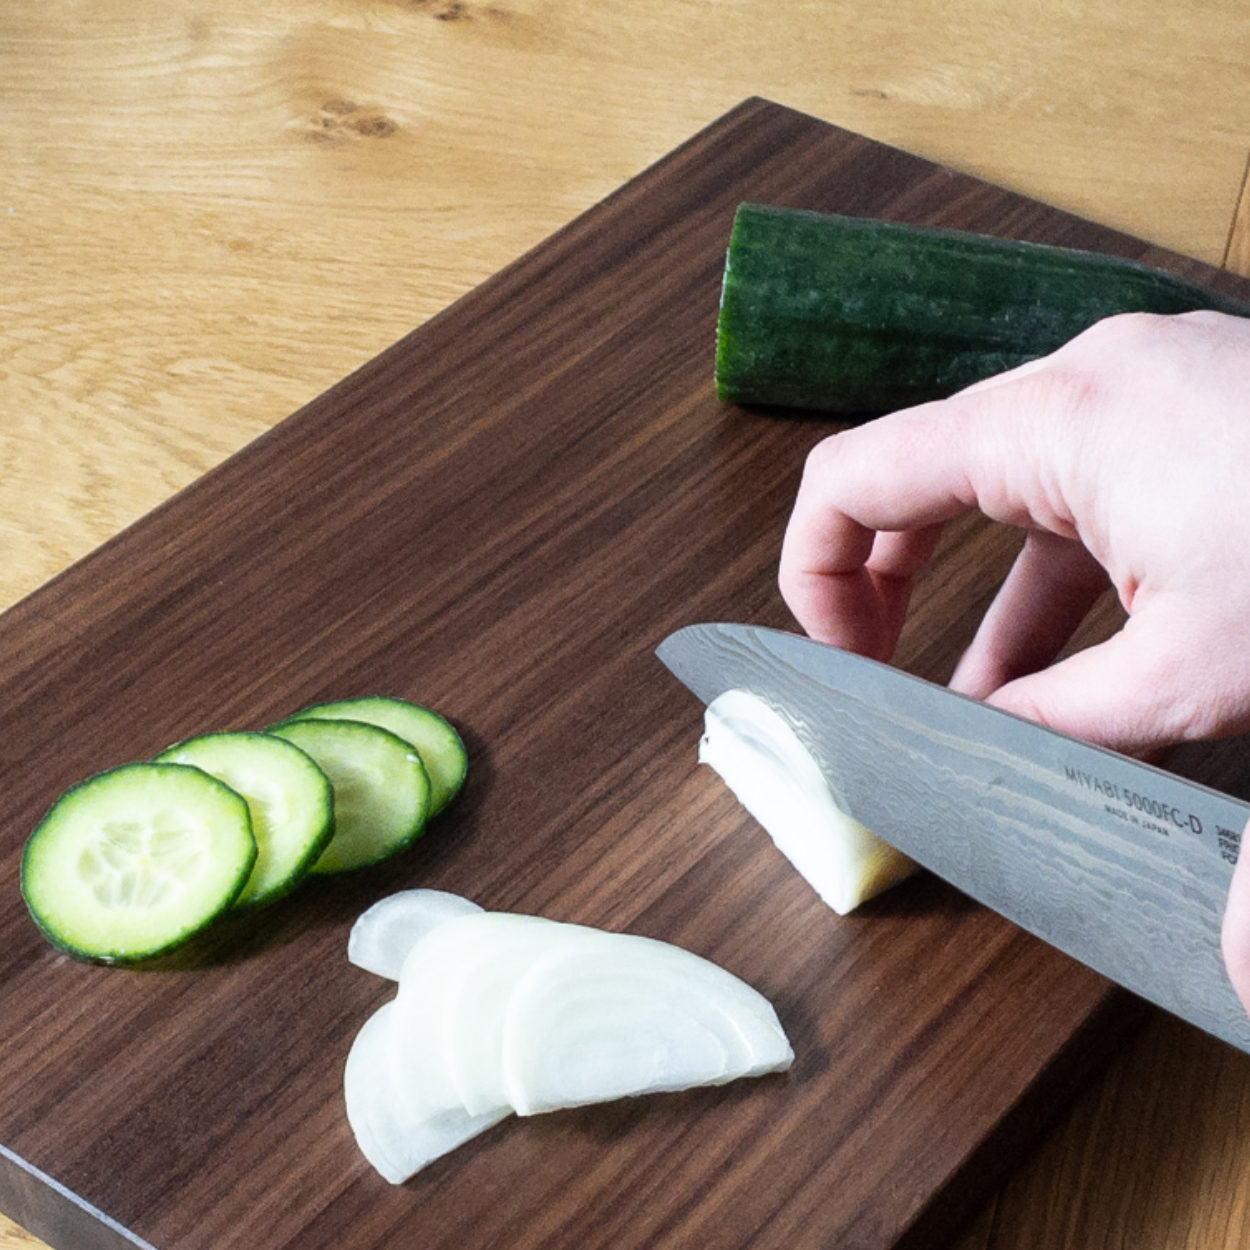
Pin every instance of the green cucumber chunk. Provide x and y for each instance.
(381, 790)
(288, 797)
(135, 861)
(437, 742)
(855, 315)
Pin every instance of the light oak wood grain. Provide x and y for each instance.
(212, 211)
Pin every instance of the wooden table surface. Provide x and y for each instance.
(211, 211)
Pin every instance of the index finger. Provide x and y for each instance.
(866, 517)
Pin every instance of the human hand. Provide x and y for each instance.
(1125, 456)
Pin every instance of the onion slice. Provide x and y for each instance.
(387, 931)
(504, 948)
(498, 1012)
(605, 1016)
(775, 777)
(394, 1138)
(453, 991)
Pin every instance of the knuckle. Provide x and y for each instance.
(823, 458)
(1126, 330)
(1198, 711)
(831, 465)
(1180, 699)
(1173, 707)
(1067, 390)
(1204, 317)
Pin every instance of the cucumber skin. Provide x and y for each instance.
(853, 315)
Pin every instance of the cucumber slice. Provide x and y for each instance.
(135, 861)
(381, 791)
(437, 742)
(288, 797)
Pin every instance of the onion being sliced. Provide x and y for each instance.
(394, 1139)
(773, 775)
(388, 930)
(605, 1016)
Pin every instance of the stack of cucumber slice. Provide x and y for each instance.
(135, 861)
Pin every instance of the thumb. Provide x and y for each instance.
(1132, 693)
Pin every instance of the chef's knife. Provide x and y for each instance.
(1119, 864)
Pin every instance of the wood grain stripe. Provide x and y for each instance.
(1237, 253)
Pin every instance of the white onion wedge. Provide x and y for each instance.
(773, 775)
(397, 1142)
(496, 1012)
(605, 1016)
(388, 930)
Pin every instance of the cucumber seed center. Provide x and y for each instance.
(143, 863)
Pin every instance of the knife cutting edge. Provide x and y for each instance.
(1119, 864)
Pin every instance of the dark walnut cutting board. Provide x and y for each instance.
(501, 516)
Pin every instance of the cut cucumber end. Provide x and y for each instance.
(433, 737)
(381, 793)
(135, 861)
(289, 800)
